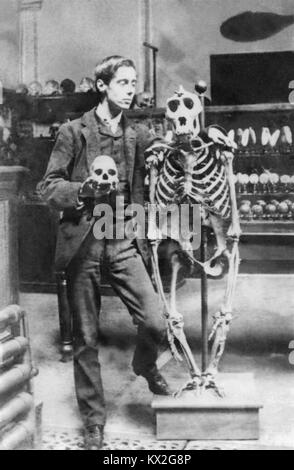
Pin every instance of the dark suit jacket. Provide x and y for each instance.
(76, 147)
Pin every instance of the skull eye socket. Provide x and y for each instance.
(98, 172)
(173, 105)
(111, 172)
(188, 103)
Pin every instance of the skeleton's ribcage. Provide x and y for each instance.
(209, 184)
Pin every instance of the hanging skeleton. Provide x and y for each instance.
(195, 168)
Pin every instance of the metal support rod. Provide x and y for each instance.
(154, 79)
(204, 301)
(201, 88)
(154, 52)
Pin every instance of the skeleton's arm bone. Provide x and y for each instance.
(235, 229)
(153, 175)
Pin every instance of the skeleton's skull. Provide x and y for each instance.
(183, 109)
(103, 172)
(35, 88)
(51, 88)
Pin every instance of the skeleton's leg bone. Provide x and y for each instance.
(160, 290)
(176, 323)
(158, 281)
(155, 266)
(223, 318)
(234, 232)
(154, 232)
(175, 262)
(232, 277)
(174, 319)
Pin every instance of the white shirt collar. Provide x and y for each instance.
(112, 123)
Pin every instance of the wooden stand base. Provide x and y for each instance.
(208, 417)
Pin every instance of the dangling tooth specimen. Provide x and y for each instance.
(265, 136)
(252, 136)
(274, 138)
(245, 138)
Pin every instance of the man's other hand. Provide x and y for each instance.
(90, 188)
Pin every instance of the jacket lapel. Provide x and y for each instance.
(130, 148)
(91, 133)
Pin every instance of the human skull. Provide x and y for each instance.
(183, 109)
(51, 88)
(35, 88)
(104, 173)
(67, 86)
(22, 89)
(86, 85)
(145, 99)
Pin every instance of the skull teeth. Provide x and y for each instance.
(103, 172)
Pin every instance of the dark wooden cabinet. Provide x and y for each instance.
(267, 244)
(37, 238)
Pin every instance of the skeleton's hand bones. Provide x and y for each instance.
(234, 231)
(226, 156)
(155, 154)
(219, 136)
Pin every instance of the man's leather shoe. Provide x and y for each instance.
(93, 437)
(157, 384)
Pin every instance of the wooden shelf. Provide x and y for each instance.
(262, 107)
(263, 152)
(268, 228)
(266, 195)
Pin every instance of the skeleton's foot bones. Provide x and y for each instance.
(200, 385)
(194, 384)
(209, 383)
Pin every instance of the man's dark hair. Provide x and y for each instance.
(106, 69)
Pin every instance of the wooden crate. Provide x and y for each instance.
(205, 417)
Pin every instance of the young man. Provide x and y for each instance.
(67, 187)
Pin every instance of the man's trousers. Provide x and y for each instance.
(129, 279)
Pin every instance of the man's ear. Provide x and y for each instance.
(100, 85)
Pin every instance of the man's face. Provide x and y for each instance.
(121, 89)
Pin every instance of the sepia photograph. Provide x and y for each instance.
(146, 227)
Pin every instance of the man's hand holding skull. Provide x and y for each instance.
(90, 188)
(103, 179)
